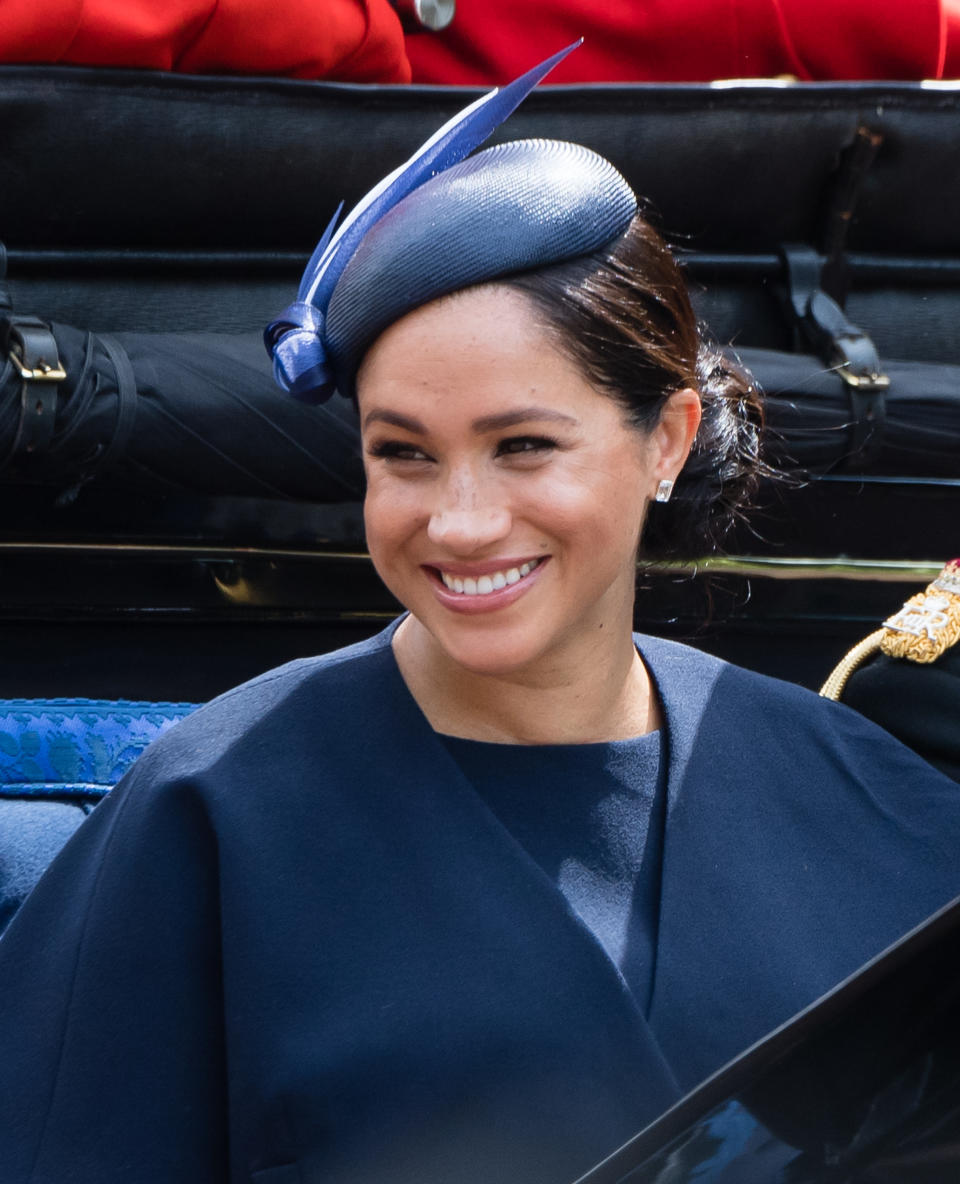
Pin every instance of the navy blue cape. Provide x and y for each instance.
(295, 946)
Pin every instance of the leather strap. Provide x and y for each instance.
(32, 350)
(126, 400)
(5, 302)
(855, 162)
(825, 328)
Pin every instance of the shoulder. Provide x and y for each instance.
(705, 695)
(683, 672)
(680, 669)
(718, 712)
(323, 671)
(306, 694)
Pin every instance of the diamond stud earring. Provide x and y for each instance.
(664, 489)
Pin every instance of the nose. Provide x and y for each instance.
(467, 518)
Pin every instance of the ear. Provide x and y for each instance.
(673, 436)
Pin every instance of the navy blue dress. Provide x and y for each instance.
(591, 816)
(297, 945)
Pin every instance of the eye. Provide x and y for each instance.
(397, 450)
(525, 445)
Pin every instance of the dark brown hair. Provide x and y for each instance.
(624, 316)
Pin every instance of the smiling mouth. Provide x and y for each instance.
(492, 582)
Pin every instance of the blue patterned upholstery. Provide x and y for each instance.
(58, 758)
(71, 747)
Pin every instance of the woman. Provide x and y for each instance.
(478, 898)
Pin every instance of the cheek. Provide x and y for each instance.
(384, 538)
(392, 512)
(604, 502)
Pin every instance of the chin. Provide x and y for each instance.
(500, 662)
(488, 649)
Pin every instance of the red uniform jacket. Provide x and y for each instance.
(694, 40)
(350, 40)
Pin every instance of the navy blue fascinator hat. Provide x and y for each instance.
(441, 222)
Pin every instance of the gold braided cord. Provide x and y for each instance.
(929, 623)
(926, 627)
(833, 687)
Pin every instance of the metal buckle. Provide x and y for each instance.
(863, 382)
(44, 372)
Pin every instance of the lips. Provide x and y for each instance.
(487, 588)
(490, 582)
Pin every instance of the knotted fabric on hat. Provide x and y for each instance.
(440, 223)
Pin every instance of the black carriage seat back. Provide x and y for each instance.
(58, 759)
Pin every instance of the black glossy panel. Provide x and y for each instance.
(862, 1087)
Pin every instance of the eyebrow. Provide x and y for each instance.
(395, 419)
(486, 423)
(510, 419)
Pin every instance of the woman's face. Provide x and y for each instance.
(505, 494)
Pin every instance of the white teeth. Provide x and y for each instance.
(484, 585)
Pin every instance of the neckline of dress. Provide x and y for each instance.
(660, 733)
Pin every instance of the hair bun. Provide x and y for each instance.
(721, 475)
